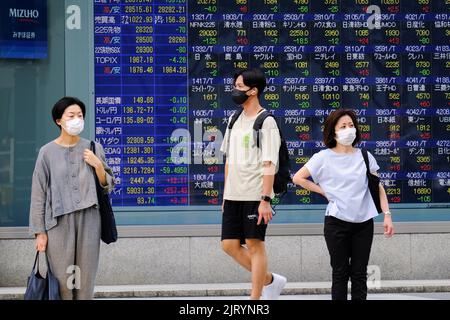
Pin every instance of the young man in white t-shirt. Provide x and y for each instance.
(249, 177)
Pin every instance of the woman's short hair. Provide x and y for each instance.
(330, 122)
(63, 104)
(253, 78)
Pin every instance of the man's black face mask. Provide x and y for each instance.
(238, 96)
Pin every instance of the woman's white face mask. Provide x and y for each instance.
(74, 127)
(346, 136)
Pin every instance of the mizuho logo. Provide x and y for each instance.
(23, 13)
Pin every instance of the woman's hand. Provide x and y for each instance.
(388, 226)
(91, 159)
(41, 242)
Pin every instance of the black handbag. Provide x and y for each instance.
(374, 182)
(108, 222)
(40, 288)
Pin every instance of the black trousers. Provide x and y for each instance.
(349, 246)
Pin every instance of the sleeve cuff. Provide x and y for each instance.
(109, 183)
(312, 174)
(33, 230)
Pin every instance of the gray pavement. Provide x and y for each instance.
(383, 290)
(374, 296)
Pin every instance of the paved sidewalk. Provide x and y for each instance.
(241, 289)
(370, 296)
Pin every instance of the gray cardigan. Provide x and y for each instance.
(63, 183)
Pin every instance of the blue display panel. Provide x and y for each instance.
(23, 29)
(163, 76)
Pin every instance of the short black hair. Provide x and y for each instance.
(330, 122)
(253, 78)
(63, 104)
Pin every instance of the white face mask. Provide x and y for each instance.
(74, 127)
(346, 136)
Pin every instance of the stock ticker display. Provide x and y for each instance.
(163, 68)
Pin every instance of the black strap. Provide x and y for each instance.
(262, 115)
(257, 126)
(48, 263)
(234, 117)
(97, 182)
(366, 159)
(36, 260)
(36, 263)
(373, 183)
(93, 146)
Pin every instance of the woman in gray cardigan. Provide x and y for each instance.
(64, 214)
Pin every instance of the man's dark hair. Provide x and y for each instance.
(253, 78)
(63, 104)
(331, 121)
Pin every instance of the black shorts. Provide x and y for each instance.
(239, 221)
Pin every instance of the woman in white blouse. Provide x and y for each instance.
(339, 174)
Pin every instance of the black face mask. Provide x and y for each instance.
(238, 96)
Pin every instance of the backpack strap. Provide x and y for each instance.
(259, 123)
(233, 119)
(366, 159)
(262, 115)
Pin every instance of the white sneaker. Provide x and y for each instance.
(273, 290)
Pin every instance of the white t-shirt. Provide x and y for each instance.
(342, 176)
(245, 160)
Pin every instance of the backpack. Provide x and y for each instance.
(283, 175)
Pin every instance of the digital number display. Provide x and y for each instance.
(165, 66)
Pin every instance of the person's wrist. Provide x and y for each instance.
(99, 166)
(266, 199)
